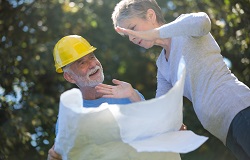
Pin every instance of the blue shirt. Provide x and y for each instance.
(97, 102)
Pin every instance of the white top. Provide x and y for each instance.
(217, 95)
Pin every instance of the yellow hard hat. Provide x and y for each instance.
(69, 49)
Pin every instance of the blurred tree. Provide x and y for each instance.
(30, 87)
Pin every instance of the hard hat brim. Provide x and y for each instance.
(60, 66)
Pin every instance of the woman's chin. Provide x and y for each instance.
(147, 47)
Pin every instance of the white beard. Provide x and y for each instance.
(85, 81)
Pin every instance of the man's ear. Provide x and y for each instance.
(151, 16)
(68, 77)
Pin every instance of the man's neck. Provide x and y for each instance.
(89, 93)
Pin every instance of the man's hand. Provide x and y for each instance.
(120, 90)
(52, 155)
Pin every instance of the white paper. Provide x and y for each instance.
(152, 117)
(143, 130)
(93, 134)
(178, 141)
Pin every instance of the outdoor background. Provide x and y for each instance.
(30, 87)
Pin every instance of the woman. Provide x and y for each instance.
(220, 100)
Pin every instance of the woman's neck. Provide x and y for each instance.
(166, 45)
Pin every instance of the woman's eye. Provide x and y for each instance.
(132, 28)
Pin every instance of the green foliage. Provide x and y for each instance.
(30, 87)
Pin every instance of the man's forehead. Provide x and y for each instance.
(82, 58)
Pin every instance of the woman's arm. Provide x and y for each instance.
(193, 24)
(163, 86)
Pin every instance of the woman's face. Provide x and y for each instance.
(138, 24)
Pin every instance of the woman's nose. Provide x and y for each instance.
(131, 38)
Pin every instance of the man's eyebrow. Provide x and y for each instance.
(79, 60)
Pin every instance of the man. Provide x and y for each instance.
(74, 58)
(74, 55)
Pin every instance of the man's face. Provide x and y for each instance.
(87, 71)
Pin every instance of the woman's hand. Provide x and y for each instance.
(121, 89)
(150, 35)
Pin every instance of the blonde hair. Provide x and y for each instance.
(126, 9)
